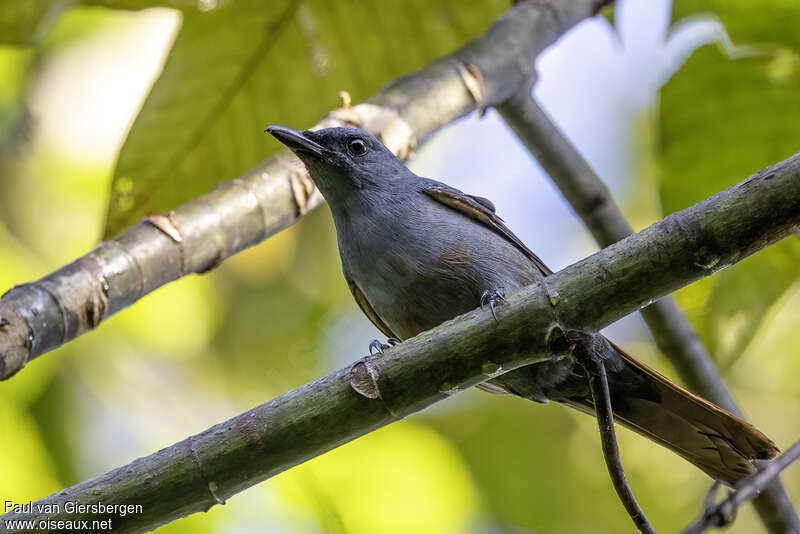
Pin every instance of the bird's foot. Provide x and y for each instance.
(379, 347)
(491, 298)
(591, 347)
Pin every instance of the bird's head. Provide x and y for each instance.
(343, 161)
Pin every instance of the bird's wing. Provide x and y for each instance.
(485, 202)
(490, 386)
(366, 307)
(482, 211)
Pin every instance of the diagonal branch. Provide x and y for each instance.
(195, 237)
(591, 200)
(207, 468)
(675, 337)
(723, 513)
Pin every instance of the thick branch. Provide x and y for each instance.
(197, 236)
(209, 467)
(723, 513)
(675, 337)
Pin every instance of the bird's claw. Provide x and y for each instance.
(491, 298)
(379, 347)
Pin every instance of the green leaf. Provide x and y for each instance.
(15, 121)
(22, 22)
(27, 22)
(243, 65)
(745, 293)
(722, 120)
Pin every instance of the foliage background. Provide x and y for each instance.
(85, 150)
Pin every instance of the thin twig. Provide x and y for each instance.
(723, 513)
(673, 334)
(598, 383)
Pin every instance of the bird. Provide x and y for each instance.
(416, 252)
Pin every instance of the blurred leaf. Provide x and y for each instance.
(23, 75)
(398, 479)
(242, 65)
(26, 22)
(20, 22)
(770, 365)
(78, 23)
(541, 467)
(25, 463)
(14, 66)
(722, 120)
(743, 296)
(158, 321)
(15, 120)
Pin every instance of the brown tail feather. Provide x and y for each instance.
(717, 442)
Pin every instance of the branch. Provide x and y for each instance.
(674, 336)
(722, 514)
(595, 368)
(207, 468)
(197, 236)
(591, 200)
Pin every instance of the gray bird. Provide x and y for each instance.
(416, 252)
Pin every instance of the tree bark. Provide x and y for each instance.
(207, 468)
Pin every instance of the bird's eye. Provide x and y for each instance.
(357, 147)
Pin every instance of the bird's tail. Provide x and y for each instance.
(717, 442)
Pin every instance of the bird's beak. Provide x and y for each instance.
(295, 140)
